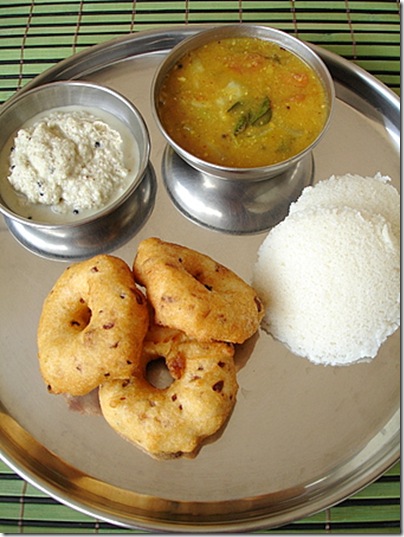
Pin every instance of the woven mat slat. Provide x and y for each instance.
(24, 508)
(36, 34)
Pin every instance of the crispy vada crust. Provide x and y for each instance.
(173, 422)
(92, 326)
(191, 292)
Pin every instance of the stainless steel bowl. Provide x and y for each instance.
(111, 225)
(241, 30)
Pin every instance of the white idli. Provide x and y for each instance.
(372, 194)
(330, 282)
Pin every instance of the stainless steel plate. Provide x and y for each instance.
(301, 438)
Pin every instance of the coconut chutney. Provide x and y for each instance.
(67, 163)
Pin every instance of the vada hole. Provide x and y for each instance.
(158, 375)
(81, 318)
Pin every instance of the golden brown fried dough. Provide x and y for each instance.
(173, 421)
(92, 326)
(191, 292)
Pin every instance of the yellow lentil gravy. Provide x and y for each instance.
(242, 102)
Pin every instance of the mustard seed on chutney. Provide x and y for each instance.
(242, 102)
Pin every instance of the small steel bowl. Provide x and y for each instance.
(107, 227)
(203, 37)
(236, 200)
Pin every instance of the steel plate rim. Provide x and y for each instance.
(248, 523)
(185, 31)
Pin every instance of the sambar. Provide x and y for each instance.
(242, 102)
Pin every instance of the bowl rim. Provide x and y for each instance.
(16, 99)
(241, 29)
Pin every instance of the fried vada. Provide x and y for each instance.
(173, 421)
(92, 326)
(193, 293)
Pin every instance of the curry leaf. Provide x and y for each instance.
(263, 115)
(242, 123)
(249, 116)
(235, 106)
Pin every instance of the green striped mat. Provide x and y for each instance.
(24, 509)
(36, 34)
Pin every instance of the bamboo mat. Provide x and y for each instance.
(24, 509)
(36, 34)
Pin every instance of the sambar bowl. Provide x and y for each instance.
(229, 100)
(72, 232)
